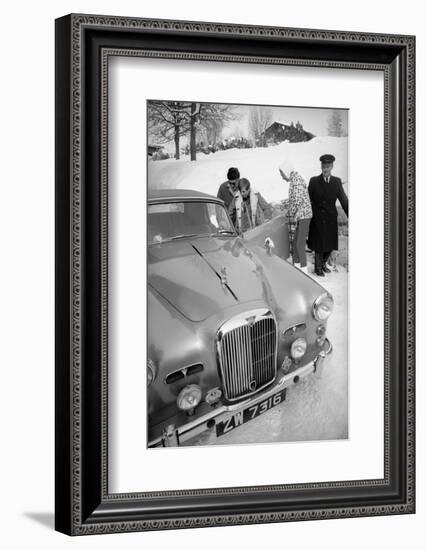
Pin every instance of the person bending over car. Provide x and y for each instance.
(251, 208)
(228, 191)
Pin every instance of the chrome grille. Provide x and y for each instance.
(247, 348)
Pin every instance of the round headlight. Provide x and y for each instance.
(150, 372)
(323, 307)
(189, 397)
(298, 348)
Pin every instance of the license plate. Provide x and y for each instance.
(245, 415)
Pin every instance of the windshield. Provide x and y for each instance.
(177, 220)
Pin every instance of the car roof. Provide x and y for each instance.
(165, 195)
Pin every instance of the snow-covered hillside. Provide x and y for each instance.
(259, 165)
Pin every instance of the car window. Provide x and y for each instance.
(175, 220)
(218, 216)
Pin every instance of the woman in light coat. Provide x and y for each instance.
(299, 210)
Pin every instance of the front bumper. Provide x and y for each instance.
(173, 435)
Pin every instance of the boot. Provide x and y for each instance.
(325, 257)
(318, 264)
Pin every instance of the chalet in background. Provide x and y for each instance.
(278, 132)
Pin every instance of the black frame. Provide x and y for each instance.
(83, 46)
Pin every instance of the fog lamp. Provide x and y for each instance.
(189, 397)
(320, 341)
(321, 330)
(298, 348)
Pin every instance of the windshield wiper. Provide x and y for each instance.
(189, 235)
(177, 237)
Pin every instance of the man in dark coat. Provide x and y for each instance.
(324, 190)
(228, 192)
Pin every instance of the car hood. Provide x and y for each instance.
(201, 276)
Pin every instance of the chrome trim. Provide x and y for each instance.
(319, 360)
(234, 341)
(292, 330)
(198, 425)
(314, 306)
(330, 346)
(183, 370)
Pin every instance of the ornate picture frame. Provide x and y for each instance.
(84, 44)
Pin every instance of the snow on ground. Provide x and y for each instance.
(317, 407)
(259, 165)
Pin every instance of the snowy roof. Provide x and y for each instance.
(282, 122)
(287, 124)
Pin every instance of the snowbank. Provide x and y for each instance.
(259, 165)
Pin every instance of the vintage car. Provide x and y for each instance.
(231, 324)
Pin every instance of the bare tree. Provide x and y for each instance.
(168, 121)
(213, 130)
(210, 117)
(259, 119)
(193, 121)
(335, 124)
(214, 117)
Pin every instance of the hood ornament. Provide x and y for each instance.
(251, 320)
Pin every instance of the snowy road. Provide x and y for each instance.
(317, 407)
